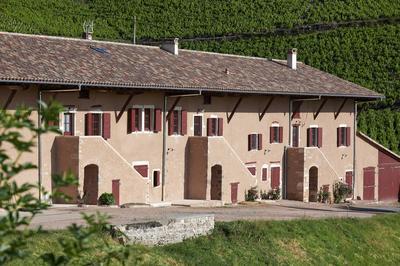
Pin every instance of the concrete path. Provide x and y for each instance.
(61, 217)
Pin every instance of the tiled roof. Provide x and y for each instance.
(49, 60)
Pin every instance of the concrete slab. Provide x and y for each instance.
(198, 203)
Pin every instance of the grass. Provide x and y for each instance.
(300, 242)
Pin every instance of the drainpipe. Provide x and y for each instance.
(354, 146)
(164, 147)
(39, 144)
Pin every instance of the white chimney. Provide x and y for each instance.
(172, 47)
(87, 35)
(292, 58)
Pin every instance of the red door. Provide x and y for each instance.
(234, 192)
(275, 177)
(369, 183)
(115, 190)
(349, 179)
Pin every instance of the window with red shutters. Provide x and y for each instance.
(264, 176)
(276, 134)
(142, 169)
(156, 178)
(93, 124)
(215, 126)
(314, 137)
(157, 120)
(177, 124)
(254, 142)
(343, 136)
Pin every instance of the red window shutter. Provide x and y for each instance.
(252, 170)
(339, 137)
(142, 170)
(249, 144)
(171, 124)
(106, 125)
(89, 124)
(259, 141)
(280, 134)
(264, 174)
(271, 135)
(220, 126)
(184, 123)
(131, 120)
(309, 137)
(348, 136)
(275, 177)
(319, 137)
(209, 127)
(157, 120)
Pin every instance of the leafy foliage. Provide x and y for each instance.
(341, 191)
(106, 199)
(252, 194)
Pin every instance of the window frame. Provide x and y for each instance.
(314, 128)
(201, 126)
(216, 119)
(62, 121)
(152, 177)
(343, 135)
(141, 119)
(100, 113)
(264, 166)
(255, 143)
(298, 136)
(276, 128)
(141, 163)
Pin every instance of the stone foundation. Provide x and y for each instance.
(168, 231)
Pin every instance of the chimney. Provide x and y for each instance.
(171, 47)
(292, 58)
(87, 30)
(87, 35)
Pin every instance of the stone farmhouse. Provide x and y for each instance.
(163, 124)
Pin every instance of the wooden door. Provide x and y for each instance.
(369, 183)
(275, 177)
(234, 192)
(115, 190)
(216, 182)
(313, 184)
(90, 184)
(198, 125)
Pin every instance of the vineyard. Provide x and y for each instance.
(367, 55)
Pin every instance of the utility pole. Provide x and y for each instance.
(134, 29)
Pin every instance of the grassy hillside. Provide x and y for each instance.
(365, 55)
(374, 241)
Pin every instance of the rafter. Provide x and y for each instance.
(173, 106)
(320, 108)
(340, 108)
(260, 116)
(297, 108)
(121, 112)
(9, 99)
(234, 109)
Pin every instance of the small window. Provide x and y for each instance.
(252, 169)
(276, 134)
(69, 124)
(296, 109)
(84, 94)
(343, 136)
(214, 126)
(148, 118)
(295, 135)
(264, 173)
(255, 142)
(142, 169)
(314, 137)
(207, 99)
(156, 178)
(198, 125)
(177, 122)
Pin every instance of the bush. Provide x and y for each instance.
(106, 199)
(264, 195)
(341, 191)
(323, 196)
(274, 194)
(252, 194)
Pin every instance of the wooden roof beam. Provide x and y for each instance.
(260, 116)
(340, 108)
(234, 109)
(320, 108)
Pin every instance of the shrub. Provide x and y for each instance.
(341, 191)
(106, 199)
(274, 194)
(252, 194)
(264, 195)
(323, 196)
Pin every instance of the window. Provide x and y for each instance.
(215, 126)
(252, 169)
(255, 142)
(276, 134)
(177, 122)
(343, 136)
(264, 173)
(156, 178)
(98, 124)
(144, 119)
(69, 124)
(142, 168)
(295, 135)
(314, 137)
(198, 125)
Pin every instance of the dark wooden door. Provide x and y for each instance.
(369, 183)
(313, 184)
(234, 192)
(115, 190)
(349, 179)
(275, 177)
(91, 184)
(216, 182)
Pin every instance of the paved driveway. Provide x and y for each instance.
(60, 217)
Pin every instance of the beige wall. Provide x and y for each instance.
(148, 146)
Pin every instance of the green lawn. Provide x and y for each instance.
(300, 242)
